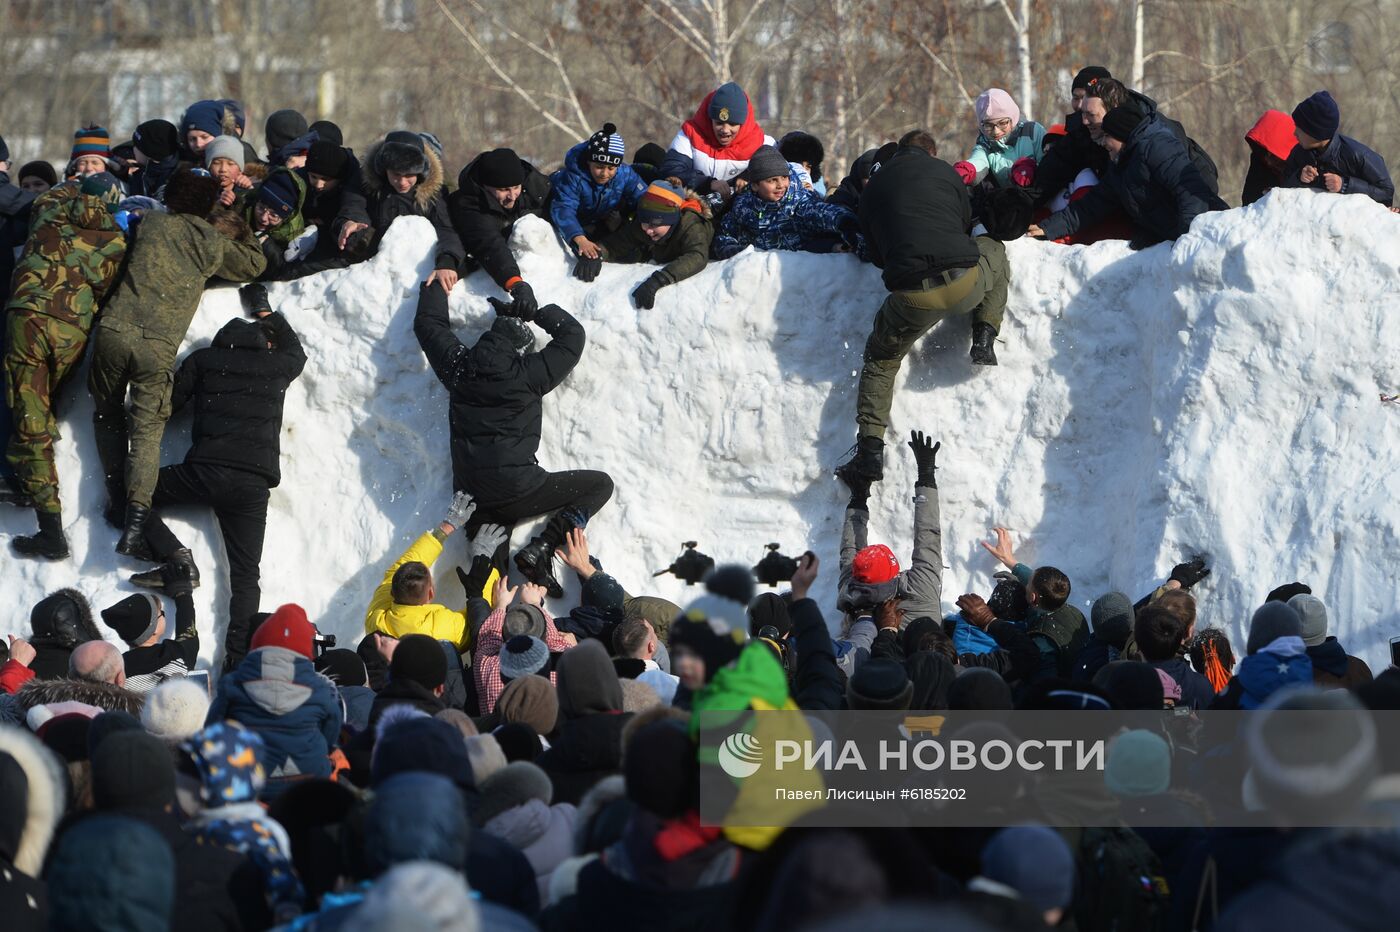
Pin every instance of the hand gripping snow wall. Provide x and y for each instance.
(1220, 397)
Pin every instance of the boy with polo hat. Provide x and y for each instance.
(1325, 160)
(591, 193)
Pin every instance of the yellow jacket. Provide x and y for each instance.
(437, 621)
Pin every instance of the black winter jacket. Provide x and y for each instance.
(323, 207)
(379, 205)
(14, 229)
(496, 395)
(238, 386)
(1154, 181)
(1063, 161)
(484, 226)
(847, 193)
(1362, 170)
(915, 213)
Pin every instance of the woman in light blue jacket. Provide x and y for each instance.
(1003, 139)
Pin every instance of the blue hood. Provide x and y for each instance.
(1265, 673)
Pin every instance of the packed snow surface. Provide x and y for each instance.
(1219, 396)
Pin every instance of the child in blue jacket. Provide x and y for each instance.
(776, 212)
(593, 184)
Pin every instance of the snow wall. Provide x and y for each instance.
(1219, 396)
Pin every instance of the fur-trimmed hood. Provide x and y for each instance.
(103, 695)
(47, 787)
(427, 188)
(64, 625)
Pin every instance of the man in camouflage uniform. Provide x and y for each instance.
(74, 250)
(135, 343)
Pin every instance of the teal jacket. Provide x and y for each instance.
(996, 158)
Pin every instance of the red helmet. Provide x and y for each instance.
(875, 564)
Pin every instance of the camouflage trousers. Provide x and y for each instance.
(126, 358)
(41, 353)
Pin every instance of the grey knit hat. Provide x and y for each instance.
(513, 785)
(767, 162)
(1273, 620)
(224, 147)
(521, 656)
(1314, 615)
(1112, 618)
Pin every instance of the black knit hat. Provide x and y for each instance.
(605, 146)
(344, 667)
(1131, 685)
(282, 127)
(766, 162)
(419, 658)
(132, 770)
(326, 131)
(1121, 121)
(191, 193)
(649, 154)
(1089, 75)
(134, 618)
(661, 769)
(157, 139)
(326, 159)
(879, 684)
(500, 168)
(403, 153)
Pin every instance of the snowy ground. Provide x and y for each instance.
(1219, 397)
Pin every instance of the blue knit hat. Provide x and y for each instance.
(279, 192)
(1318, 116)
(1033, 860)
(605, 146)
(730, 104)
(521, 656)
(204, 115)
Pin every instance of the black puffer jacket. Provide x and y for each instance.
(916, 214)
(485, 226)
(496, 395)
(377, 204)
(237, 386)
(1156, 184)
(1062, 163)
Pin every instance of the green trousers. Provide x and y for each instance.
(125, 358)
(41, 352)
(908, 315)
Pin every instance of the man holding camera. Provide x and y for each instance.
(497, 389)
(237, 387)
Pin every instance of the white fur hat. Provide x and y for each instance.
(175, 709)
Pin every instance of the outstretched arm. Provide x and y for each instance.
(923, 581)
(446, 354)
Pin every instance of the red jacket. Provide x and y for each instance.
(13, 675)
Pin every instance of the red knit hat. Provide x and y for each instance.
(287, 627)
(875, 564)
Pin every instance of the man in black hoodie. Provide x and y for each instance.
(496, 189)
(237, 387)
(916, 216)
(496, 390)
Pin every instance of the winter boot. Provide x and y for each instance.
(254, 298)
(179, 572)
(48, 543)
(133, 541)
(116, 502)
(536, 562)
(984, 352)
(867, 465)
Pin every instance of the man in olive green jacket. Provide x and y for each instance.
(673, 227)
(171, 257)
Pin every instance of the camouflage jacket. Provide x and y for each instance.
(171, 257)
(70, 259)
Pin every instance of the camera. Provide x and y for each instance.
(320, 643)
(774, 567)
(691, 566)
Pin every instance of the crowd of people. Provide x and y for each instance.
(504, 764)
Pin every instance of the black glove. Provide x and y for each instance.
(585, 269)
(860, 492)
(926, 456)
(254, 298)
(503, 308)
(525, 303)
(1190, 572)
(645, 293)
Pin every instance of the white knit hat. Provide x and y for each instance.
(175, 709)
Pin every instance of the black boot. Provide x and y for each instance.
(179, 572)
(866, 466)
(48, 543)
(984, 351)
(116, 503)
(133, 542)
(536, 562)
